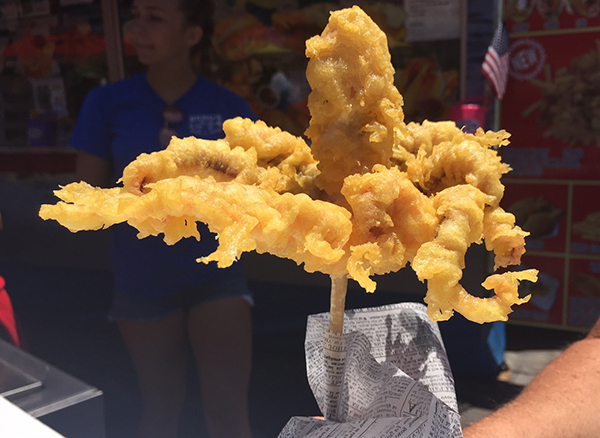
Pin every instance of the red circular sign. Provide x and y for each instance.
(527, 59)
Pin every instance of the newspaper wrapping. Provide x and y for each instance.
(387, 376)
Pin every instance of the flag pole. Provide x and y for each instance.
(464, 36)
(496, 63)
(498, 20)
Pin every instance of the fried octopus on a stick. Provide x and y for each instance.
(370, 195)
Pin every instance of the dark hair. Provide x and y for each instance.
(200, 13)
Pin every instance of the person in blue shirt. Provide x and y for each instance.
(164, 300)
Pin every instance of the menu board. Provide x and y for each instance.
(584, 286)
(546, 304)
(563, 244)
(551, 106)
(531, 16)
(552, 110)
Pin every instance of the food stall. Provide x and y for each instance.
(550, 108)
(54, 52)
(46, 49)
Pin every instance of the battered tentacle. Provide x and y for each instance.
(247, 217)
(268, 157)
(503, 237)
(391, 220)
(290, 155)
(286, 225)
(441, 260)
(438, 155)
(192, 156)
(88, 208)
(356, 118)
(466, 159)
(496, 308)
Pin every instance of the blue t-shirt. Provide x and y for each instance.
(118, 122)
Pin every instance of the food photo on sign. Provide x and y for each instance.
(584, 293)
(547, 294)
(551, 110)
(551, 15)
(541, 210)
(585, 231)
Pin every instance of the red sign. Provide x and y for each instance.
(552, 110)
(551, 15)
(550, 107)
(541, 210)
(584, 293)
(585, 228)
(546, 304)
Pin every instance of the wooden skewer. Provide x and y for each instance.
(339, 287)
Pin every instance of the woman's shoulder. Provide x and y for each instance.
(216, 90)
(120, 89)
(222, 99)
(109, 97)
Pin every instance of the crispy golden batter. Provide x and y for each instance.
(245, 217)
(356, 111)
(287, 157)
(369, 196)
(440, 261)
(250, 153)
(391, 220)
(450, 156)
(496, 308)
(503, 237)
(191, 156)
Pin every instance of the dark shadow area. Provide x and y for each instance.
(484, 392)
(520, 337)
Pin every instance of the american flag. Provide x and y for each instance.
(495, 64)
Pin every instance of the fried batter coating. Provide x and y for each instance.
(290, 155)
(391, 220)
(356, 111)
(87, 208)
(245, 217)
(250, 153)
(496, 308)
(191, 156)
(503, 237)
(421, 138)
(441, 261)
(370, 195)
(452, 157)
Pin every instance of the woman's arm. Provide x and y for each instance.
(563, 400)
(93, 170)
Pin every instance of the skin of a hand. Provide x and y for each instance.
(562, 401)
